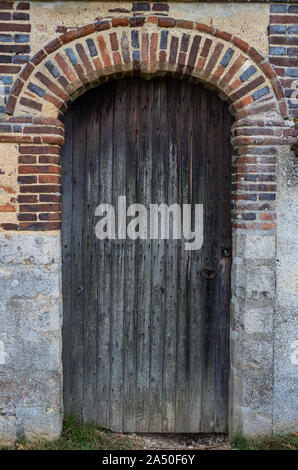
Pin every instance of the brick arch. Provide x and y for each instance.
(107, 49)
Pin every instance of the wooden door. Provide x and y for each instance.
(145, 322)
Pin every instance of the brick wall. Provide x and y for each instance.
(14, 44)
(283, 50)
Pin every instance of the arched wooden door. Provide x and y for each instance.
(145, 322)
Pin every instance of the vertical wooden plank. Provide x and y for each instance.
(66, 237)
(78, 227)
(144, 196)
(224, 268)
(157, 263)
(117, 261)
(169, 185)
(130, 287)
(106, 98)
(196, 283)
(89, 258)
(171, 92)
(211, 260)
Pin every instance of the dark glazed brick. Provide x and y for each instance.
(4, 16)
(141, 6)
(262, 92)
(185, 42)
(125, 48)
(102, 25)
(40, 226)
(227, 57)
(135, 39)
(23, 6)
(164, 39)
(160, 7)
(91, 47)
(27, 217)
(52, 69)
(20, 16)
(248, 73)
(27, 179)
(137, 21)
(36, 89)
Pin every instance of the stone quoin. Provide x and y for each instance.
(246, 52)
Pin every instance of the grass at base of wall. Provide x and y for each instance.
(277, 442)
(76, 436)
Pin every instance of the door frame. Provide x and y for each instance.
(204, 56)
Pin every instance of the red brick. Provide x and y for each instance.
(31, 104)
(38, 57)
(27, 198)
(255, 55)
(10, 69)
(40, 188)
(40, 207)
(26, 72)
(52, 216)
(6, 5)
(166, 22)
(32, 169)
(51, 86)
(120, 21)
(23, 6)
(50, 198)
(145, 48)
(104, 52)
(49, 179)
(35, 149)
(11, 103)
(15, 27)
(27, 217)
(222, 35)
(283, 19)
(65, 68)
(42, 226)
(102, 25)
(153, 47)
(68, 37)
(277, 89)
(81, 51)
(85, 30)
(241, 44)
(204, 28)
(7, 208)
(268, 70)
(10, 226)
(114, 41)
(53, 45)
(185, 24)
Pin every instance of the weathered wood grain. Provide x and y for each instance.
(145, 331)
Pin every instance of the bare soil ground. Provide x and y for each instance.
(181, 441)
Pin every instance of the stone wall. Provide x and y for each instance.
(57, 53)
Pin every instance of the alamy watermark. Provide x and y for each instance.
(158, 221)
